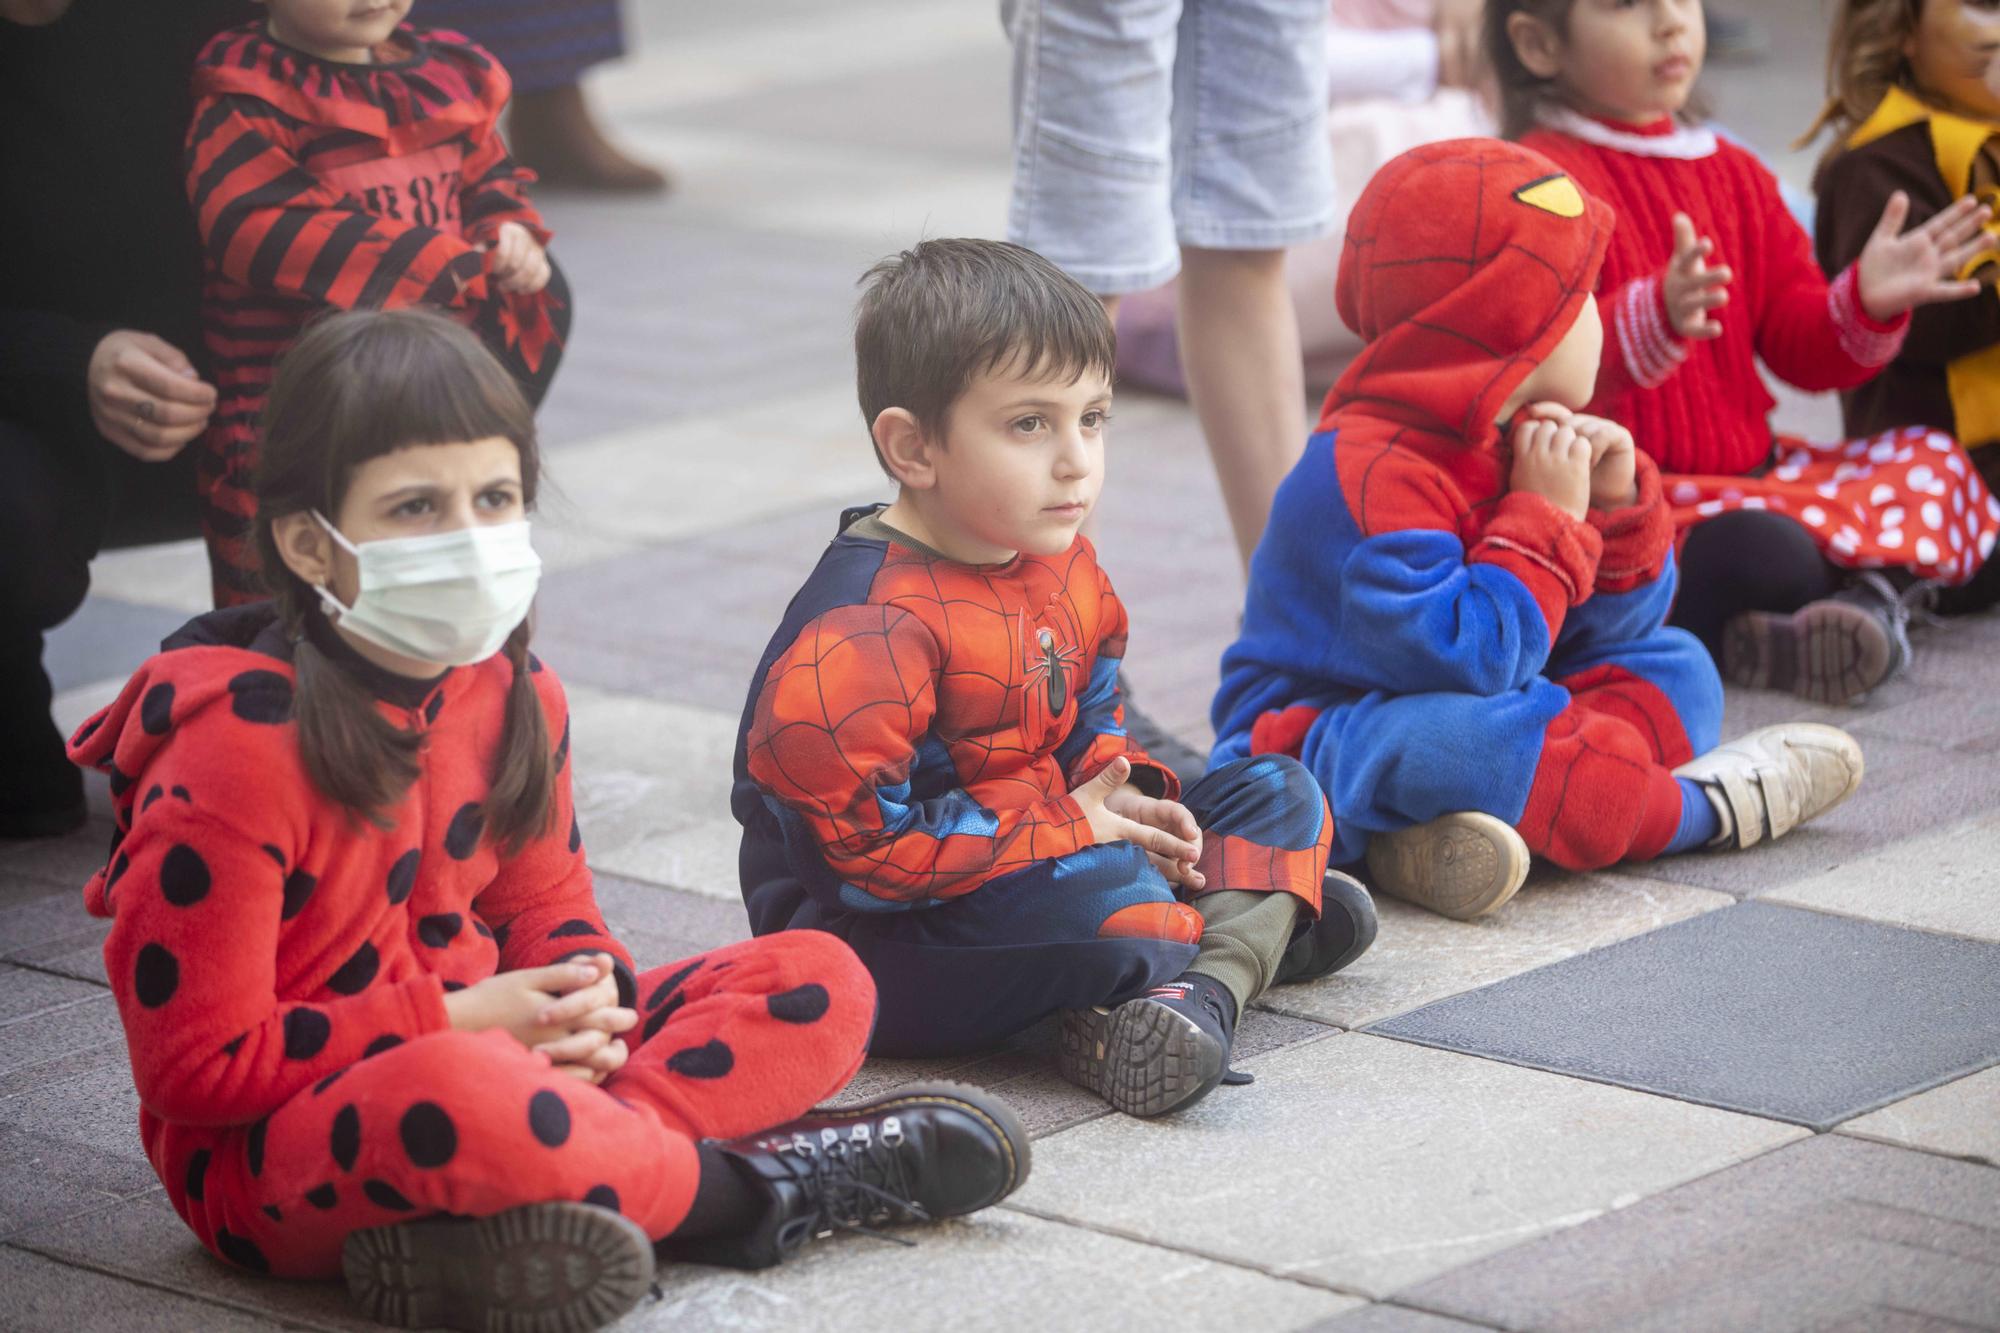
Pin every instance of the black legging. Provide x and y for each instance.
(1747, 560)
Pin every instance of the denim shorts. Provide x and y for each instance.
(1141, 126)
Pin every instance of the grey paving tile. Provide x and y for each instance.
(1825, 1233)
(142, 1239)
(1418, 1160)
(1385, 1318)
(84, 1039)
(1797, 1015)
(42, 1293)
(997, 1270)
(106, 637)
(54, 933)
(1959, 1119)
(46, 1179)
(1419, 956)
(660, 924)
(26, 997)
(1940, 881)
(31, 869)
(95, 1109)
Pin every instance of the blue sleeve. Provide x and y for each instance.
(1417, 617)
(1609, 618)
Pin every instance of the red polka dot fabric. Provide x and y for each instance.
(1904, 499)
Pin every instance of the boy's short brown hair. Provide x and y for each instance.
(943, 312)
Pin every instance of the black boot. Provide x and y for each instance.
(1165, 1050)
(540, 1268)
(926, 1152)
(1345, 929)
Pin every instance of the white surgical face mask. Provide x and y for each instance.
(450, 598)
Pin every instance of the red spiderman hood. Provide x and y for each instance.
(1465, 263)
(443, 87)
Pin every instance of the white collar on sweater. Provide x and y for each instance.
(1687, 142)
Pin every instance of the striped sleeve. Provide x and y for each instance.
(269, 224)
(496, 191)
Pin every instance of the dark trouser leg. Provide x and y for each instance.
(1747, 560)
(51, 517)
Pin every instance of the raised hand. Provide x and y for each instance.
(1552, 458)
(520, 265)
(1900, 270)
(1690, 288)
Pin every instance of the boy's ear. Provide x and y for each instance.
(906, 448)
(1536, 44)
(304, 547)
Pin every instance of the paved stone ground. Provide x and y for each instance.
(1753, 1091)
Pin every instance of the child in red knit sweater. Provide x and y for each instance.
(376, 1020)
(1786, 543)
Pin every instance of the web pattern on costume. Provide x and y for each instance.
(914, 733)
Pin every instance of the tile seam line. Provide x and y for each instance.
(1859, 1136)
(1226, 1261)
(1774, 898)
(256, 1312)
(27, 966)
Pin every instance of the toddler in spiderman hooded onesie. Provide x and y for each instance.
(1455, 619)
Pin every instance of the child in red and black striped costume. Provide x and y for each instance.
(340, 159)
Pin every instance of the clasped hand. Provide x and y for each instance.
(1575, 462)
(568, 1011)
(1165, 830)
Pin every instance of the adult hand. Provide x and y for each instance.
(1691, 288)
(1551, 458)
(145, 397)
(1107, 825)
(1168, 816)
(1900, 270)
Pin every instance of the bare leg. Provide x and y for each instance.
(1240, 351)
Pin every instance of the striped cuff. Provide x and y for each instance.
(1652, 351)
(1866, 340)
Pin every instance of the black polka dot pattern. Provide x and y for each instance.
(277, 854)
(461, 837)
(603, 1196)
(668, 986)
(197, 1175)
(184, 878)
(299, 886)
(322, 1197)
(153, 795)
(240, 1251)
(271, 1211)
(482, 928)
(801, 1004)
(500, 935)
(575, 835)
(658, 1019)
(429, 1138)
(181, 793)
(712, 1059)
(119, 865)
(574, 927)
(155, 976)
(534, 665)
(355, 974)
(384, 1195)
(439, 930)
(403, 875)
(306, 1031)
(450, 986)
(235, 1043)
(562, 747)
(253, 1145)
(433, 706)
(327, 1082)
(156, 710)
(261, 696)
(345, 1142)
(388, 1041)
(548, 1118)
(120, 784)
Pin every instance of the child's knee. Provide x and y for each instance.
(1270, 799)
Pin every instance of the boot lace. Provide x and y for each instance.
(858, 1181)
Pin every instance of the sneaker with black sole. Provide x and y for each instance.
(1345, 929)
(540, 1268)
(1461, 865)
(1159, 1052)
(1832, 651)
(926, 1152)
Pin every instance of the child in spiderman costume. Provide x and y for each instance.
(376, 1020)
(341, 160)
(1455, 619)
(933, 765)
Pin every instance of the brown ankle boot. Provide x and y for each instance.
(555, 134)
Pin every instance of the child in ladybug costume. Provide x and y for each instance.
(1456, 617)
(376, 1020)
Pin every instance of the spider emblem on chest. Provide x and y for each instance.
(1049, 663)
